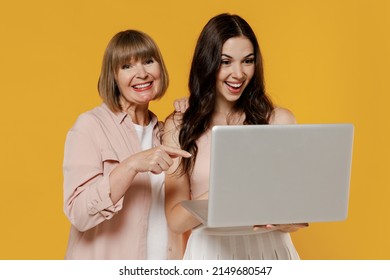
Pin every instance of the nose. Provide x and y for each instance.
(141, 71)
(238, 71)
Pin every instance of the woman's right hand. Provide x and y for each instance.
(155, 160)
(282, 227)
(181, 104)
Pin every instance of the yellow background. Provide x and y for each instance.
(327, 61)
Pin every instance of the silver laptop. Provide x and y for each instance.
(277, 174)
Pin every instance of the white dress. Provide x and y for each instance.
(242, 243)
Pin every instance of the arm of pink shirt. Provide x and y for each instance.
(86, 169)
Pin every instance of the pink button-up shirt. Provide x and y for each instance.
(97, 142)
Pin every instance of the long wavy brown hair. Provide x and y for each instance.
(254, 103)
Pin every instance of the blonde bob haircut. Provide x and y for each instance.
(124, 47)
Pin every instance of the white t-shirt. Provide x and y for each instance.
(157, 236)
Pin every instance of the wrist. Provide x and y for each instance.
(130, 166)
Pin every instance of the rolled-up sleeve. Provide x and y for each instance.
(86, 168)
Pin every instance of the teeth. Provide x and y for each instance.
(142, 86)
(234, 85)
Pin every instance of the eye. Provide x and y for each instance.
(126, 66)
(149, 61)
(225, 62)
(249, 60)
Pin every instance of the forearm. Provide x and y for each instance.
(121, 178)
(180, 220)
(177, 189)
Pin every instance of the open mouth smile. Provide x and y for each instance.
(234, 85)
(143, 86)
(234, 88)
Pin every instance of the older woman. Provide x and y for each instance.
(114, 161)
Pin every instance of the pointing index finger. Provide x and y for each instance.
(176, 152)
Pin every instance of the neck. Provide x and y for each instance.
(139, 114)
(223, 109)
(224, 106)
(231, 118)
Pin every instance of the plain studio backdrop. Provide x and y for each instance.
(327, 61)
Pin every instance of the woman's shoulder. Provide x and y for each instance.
(87, 118)
(90, 120)
(282, 116)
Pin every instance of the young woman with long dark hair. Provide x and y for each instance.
(226, 88)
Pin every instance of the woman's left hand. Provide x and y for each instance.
(282, 227)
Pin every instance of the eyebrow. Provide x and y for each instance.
(228, 56)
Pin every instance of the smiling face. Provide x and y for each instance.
(236, 70)
(139, 82)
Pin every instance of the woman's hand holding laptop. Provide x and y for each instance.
(284, 227)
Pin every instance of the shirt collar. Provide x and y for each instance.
(120, 116)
